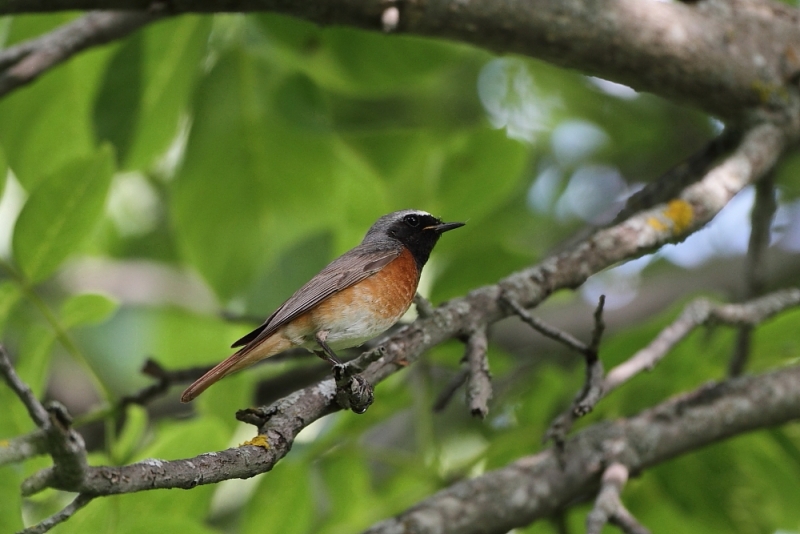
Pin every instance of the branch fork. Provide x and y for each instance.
(592, 391)
(608, 507)
(63, 443)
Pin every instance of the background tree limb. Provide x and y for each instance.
(727, 58)
(23, 63)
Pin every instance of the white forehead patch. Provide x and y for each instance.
(418, 212)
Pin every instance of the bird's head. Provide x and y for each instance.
(416, 229)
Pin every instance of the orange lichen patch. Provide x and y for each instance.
(655, 223)
(680, 213)
(4, 443)
(258, 441)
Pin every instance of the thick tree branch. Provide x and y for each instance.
(538, 486)
(672, 182)
(23, 63)
(725, 57)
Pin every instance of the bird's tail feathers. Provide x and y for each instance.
(244, 357)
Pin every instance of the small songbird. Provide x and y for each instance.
(357, 296)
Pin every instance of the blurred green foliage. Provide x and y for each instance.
(246, 152)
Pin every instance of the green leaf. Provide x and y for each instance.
(61, 213)
(482, 171)
(116, 109)
(11, 511)
(283, 501)
(87, 309)
(174, 337)
(135, 514)
(251, 183)
(346, 474)
(375, 63)
(146, 88)
(9, 296)
(302, 103)
(3, 170)
(132, 434)
(47, 124)
(33, 365)
(290, 32)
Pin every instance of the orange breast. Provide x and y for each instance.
(369, 307)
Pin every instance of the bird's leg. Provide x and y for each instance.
(353, 392)
(326, 353)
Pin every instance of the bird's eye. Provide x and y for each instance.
(411, 220)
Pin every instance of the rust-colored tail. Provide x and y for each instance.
(245, 357)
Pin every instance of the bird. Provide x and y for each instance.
(356, 297)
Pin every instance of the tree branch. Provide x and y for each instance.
(537, 486)
(79, 502)
(608, 507)
(697, 313)
(700, 53)
(23, 63)
(479, 382)
(592, 389)
(35, 409)
(446, 395)
(23, 447)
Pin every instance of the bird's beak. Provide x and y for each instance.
(444, 227)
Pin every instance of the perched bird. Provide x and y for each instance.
(357, 296)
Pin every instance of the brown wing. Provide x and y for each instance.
(346, 270)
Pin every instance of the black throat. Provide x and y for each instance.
(421, 246)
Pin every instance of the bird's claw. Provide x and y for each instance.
(353, 392)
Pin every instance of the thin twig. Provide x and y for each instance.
(165, 378)
(23, 447)
(446, 395)
(592, 390)
(599, 326)
(35, 409)
(608, 507)
(700, 312)
(79, 502)
(764, 208)
(479, 383)
(547, 330)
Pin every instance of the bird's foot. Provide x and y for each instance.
(353, 392)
